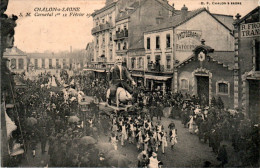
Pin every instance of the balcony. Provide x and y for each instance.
(121, 34)
(101, 27)
(155, 68)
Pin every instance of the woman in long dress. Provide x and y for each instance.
(124, 134)
(173, 135)
(164, 142)
(53, 82)
(191, 123)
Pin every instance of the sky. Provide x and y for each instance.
(58, 33)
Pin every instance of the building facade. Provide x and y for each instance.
(119, 27)
(173, 42)
(16, 59)
(36, 63)
(247, 63)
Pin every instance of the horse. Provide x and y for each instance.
(122, 96)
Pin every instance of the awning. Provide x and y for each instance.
(163, 78)
(138, 75)
(99, 70)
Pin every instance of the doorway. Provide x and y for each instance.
(254, 99)
(203, 89)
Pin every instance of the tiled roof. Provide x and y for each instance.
(225, 19)
(177, 20)
(224, 58)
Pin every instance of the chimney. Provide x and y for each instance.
(184, 12)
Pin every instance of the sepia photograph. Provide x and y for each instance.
(130, 83)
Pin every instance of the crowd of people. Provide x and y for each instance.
(147, 135)
(52, 108)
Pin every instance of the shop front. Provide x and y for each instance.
(206, 76)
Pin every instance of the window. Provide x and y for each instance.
(43, 63)
(257, 56)
(96, 23)
(125, 46)
(103, 20)
(57, 63)
(148, 59)
(223, 88)
(119, 46)
(110, 18)
(36, 63)
(20, 63)
(184, 84)
(64, 63)
(110, 36)
(103, 39)
(148, 43)
(50, 63)
(133, 63)
(140, 62)
(168, 41)
(168, 61)
(157, 58)
(157, 42)
(110, 54)
(13, 63)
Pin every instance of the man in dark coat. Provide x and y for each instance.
(222, 155)
(118, 76)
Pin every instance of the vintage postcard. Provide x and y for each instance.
(130, 83)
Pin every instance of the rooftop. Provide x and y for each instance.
(177, 20)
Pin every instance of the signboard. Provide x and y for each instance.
(187, 40)
(250, 29)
